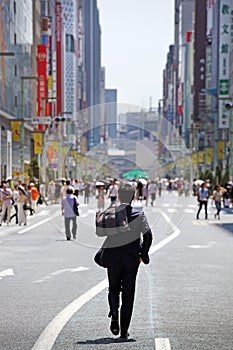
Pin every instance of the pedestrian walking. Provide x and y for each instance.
(15, 205)
(160, 187)
(28, 194)
(146, 193)
(67, 208)
(122, 255)
(42, 194)
(76, 187)
(6, 199)
(139, 191)
(113, 191)
(34, 196)
(217, 197)
(203, 196)
(152, 192)
(86, 192)
(22, 203)
(100, 197)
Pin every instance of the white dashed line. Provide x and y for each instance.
(162, 344)
(171, 210)
(189, 211)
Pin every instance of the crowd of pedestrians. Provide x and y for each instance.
(16, 200)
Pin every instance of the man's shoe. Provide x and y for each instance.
(124, 335)
(114, 327)
(68, 238)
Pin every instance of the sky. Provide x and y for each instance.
(136, 35)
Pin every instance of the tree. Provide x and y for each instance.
(34, 170)
(218, 175)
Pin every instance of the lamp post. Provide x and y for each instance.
(23, 78)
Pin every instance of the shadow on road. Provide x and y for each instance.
(105, 341)
(228, 227)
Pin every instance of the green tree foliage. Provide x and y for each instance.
(34, 170)
(225, 178)
(218, 175)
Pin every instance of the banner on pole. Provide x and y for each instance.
(15, 128)
(37, 137)
(221, 150)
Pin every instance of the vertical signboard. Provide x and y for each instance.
(199, 59)
(42, 82)
(225, 18)
(58, 35)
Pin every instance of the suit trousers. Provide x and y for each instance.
(122, 278)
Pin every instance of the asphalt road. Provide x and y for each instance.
(53, 296)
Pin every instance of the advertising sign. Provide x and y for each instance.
(58, 34)
(224, 47)
(42, 75)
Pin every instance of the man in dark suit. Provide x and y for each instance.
(122, 255)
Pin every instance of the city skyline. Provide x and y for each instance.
(135, 42)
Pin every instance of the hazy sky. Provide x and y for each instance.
(136, 36)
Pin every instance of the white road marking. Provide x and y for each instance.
(198, 246)
(51, 332)
(165, 205)
(29, 228)
(59, 272)
(0, 242)
(162, 344)
(38, 281)
(171, 210)
(76, 269)
(8, 272)
(42, 213)
(189, 211)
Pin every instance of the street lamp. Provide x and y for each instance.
(23, 78)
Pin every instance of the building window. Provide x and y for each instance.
(14, 7)
(69, 43)
(15, 39)
(15, 70)
(16, 101)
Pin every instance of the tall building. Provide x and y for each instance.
(16, 37)
(69, 18)
(111, 112)
(92, 36)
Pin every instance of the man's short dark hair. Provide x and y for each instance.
(69, 190)
(126, 193)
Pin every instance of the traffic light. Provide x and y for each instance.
(229, 105)
(62, 119)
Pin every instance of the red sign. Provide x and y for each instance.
(42, 82)
(58, 33)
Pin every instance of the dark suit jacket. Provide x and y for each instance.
(135, 242)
